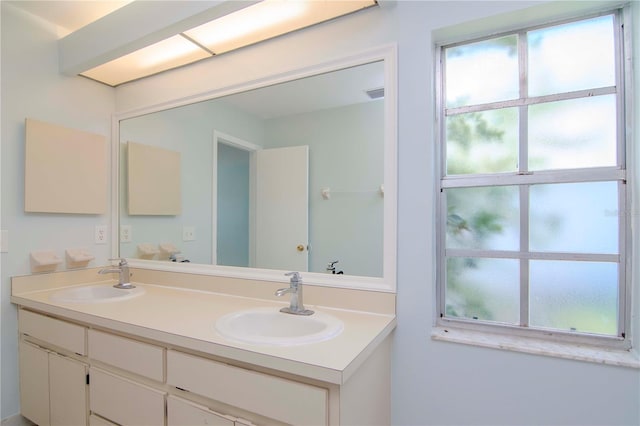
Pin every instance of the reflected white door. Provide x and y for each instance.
(282, 208)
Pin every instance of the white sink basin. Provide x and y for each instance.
(95, 294)
(269, 326)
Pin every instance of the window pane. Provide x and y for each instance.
(575, 56)
(482, 142)
(483, 218)
(574, 217)
(482, 72)
(484, 289)
(580, 296)
(573, 134)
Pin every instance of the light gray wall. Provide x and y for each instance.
(434, 383)
(32, 87)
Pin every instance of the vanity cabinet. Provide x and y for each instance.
(53, 384)
(85, 374)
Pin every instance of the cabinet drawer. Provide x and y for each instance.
(280, 399)
(123, 401)
(181, 412)
(59, 333)
(140, 358)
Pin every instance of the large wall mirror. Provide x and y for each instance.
(297, 172)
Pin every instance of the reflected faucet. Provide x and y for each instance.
(296, 307)
(331, 267)
(123, 271)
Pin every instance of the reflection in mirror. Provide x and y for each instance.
(287, 177)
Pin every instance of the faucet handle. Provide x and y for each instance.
(121, 261)
(295, 277)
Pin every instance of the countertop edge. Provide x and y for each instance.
(241, 355)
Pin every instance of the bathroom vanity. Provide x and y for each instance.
(156, 358)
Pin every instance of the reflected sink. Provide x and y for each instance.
(269, 326)
(95, 294)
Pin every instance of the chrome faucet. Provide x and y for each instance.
(296, 307)
(124, 275)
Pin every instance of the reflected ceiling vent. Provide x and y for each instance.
(375, 93)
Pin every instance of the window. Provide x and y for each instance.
(532, 231)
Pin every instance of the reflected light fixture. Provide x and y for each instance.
(253, 24)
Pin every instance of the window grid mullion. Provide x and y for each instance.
(523, 167)
(621, 161)
(524, 262)
(523, 144)
(534, 100)
(533, 255)
(622, 265)
(599, 174)
(441, 147)
(625, 52)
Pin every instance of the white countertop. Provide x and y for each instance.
(186, 318)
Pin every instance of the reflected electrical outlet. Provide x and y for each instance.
(188, 233)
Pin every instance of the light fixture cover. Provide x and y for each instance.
(255, 23)
(268, 19)
(164, 55)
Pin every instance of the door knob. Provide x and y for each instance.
(300, 247)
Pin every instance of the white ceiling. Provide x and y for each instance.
(339, 88)
(69, 15)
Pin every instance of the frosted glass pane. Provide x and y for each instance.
(483, 289)
(573, 134)
(483, 218)
(482, 142)
(580, 296)
(573, 56)
(574, 217)
(482, 72)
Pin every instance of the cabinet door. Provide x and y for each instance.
(67, 391)
(34, 383)
(124, 401)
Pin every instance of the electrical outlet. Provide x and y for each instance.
(125, 233)
(188, 233)
(101, 234)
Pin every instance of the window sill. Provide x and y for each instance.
(530, 345)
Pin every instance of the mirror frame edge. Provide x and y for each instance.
(388, 282)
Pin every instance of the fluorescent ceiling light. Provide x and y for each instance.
(267, 19)
(164, 55)
(259, 22)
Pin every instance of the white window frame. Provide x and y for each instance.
(623, 92)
